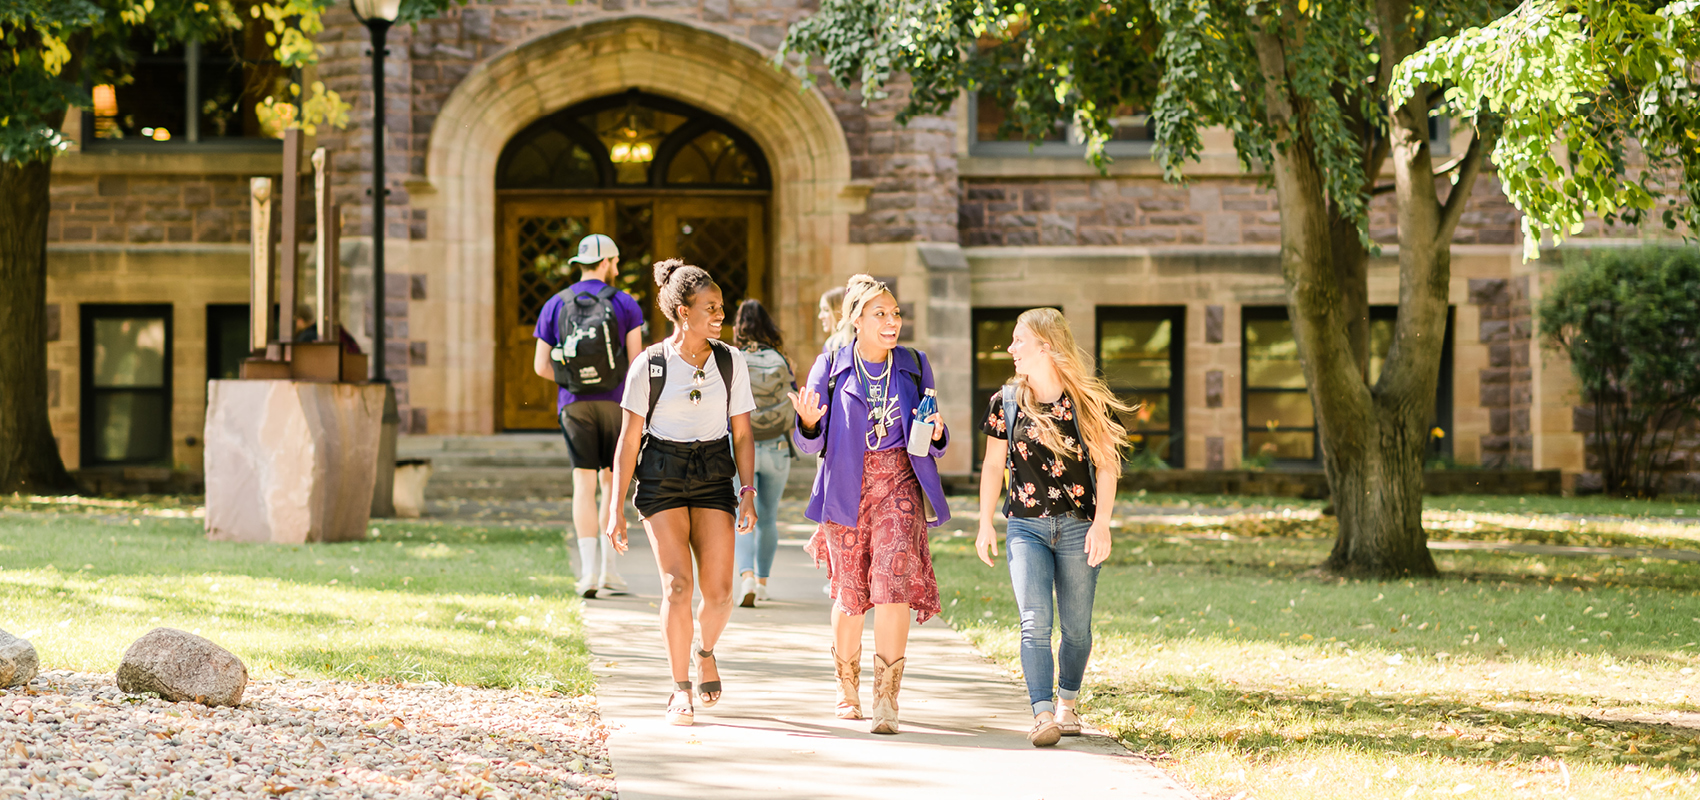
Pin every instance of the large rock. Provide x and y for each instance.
(291, 461)
(180, 666)
(17, 660)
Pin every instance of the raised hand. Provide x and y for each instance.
(808, 406)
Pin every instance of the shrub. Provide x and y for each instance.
(1629, 319)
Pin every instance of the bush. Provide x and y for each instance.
(1629, 319)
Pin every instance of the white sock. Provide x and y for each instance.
(589, 564)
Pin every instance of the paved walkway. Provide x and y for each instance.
(773, 734)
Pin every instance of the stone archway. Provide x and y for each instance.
(797, 130)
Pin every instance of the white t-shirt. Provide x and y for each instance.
(677, 419)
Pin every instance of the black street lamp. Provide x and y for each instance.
(378, 16)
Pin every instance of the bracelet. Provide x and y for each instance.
(743, 490)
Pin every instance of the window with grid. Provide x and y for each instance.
(1280, 422)
(1141, 356)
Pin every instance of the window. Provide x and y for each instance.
(1133, 136)
(632, 140)
(993, 330)
(126, 382)
(227, 340)
(196, 93)
(1280, 423)
(1140, 353)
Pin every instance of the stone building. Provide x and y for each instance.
(516, 127)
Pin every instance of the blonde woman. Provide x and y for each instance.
(831, 309)
(874, 497)
(1053, 428)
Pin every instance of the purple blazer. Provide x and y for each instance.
(837, 495)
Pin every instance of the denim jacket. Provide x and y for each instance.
(837, 494)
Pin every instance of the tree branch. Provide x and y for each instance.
(1487, 135)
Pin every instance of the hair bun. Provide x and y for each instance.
(864, 280)
(664, 270)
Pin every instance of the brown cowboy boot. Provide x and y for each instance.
(888, 679)
(849, 673)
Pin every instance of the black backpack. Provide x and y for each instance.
(591, 355)
(656, 355)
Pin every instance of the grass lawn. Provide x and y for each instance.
(418, 601)
(1511, 676)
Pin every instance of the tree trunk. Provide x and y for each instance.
(1372, 438)
(29, 455)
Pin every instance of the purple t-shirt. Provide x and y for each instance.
(627, 316)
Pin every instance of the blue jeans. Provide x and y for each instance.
(773, 467)
(1048, 556)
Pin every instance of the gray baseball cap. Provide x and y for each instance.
(593, 248)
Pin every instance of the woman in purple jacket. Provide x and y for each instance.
(874, 500)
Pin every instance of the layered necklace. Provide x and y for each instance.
(881, 401)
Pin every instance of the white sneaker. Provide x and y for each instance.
(826, 588)
(761, 591)
(587, 588)
(748, 593)
(613, 583)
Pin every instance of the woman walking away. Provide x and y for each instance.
(831, 309)
(869, 406)
(685, 417)
(1052, 427)
(771, 382)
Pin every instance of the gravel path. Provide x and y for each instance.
(76, 735)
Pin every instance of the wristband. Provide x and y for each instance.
(743, 490)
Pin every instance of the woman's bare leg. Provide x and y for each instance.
(891, 631)
(712, 539)
(670, 537)
(847, 633)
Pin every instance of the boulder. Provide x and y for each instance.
(180, 666)
(17, 660)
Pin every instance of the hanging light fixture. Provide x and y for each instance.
(631, 145)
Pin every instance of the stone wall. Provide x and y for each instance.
(148, 209)
(1507, 328)
(1148, 211)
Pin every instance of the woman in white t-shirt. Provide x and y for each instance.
(679, 445)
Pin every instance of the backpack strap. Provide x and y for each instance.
(657, 358)
(606, 293)
(566, 296)
(1010, 409)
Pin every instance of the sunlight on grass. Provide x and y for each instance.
(1511, 676)
(416, 602)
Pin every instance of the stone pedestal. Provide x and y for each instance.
(291, 461)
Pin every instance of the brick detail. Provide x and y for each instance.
(148, 209)
(1506, 386)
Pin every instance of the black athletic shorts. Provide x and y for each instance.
(686, 475)
(592, 428)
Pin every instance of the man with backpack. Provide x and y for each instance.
(588, 335)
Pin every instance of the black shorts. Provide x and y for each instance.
(686, 475)
(592, 428)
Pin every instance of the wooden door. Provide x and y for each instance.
(724, 235)
(537, 238)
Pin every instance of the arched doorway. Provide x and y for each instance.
(663, 178)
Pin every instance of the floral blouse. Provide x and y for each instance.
(1043, 483)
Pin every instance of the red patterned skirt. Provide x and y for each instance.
(885, 558)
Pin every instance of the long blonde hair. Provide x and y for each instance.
(857, 293)
(1104, 436)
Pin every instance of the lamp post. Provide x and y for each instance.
(378, 16)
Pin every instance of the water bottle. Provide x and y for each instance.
(920, 430)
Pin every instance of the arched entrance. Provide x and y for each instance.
(663, 178)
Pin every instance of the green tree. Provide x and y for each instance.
(1629, 319)
(1601, 108)
(53, 50)
(1302, 87)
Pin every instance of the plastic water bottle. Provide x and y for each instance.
(920, 430)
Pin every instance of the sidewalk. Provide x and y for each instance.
(773, 734)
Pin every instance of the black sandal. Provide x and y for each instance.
(681, 713)
(707, 691)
